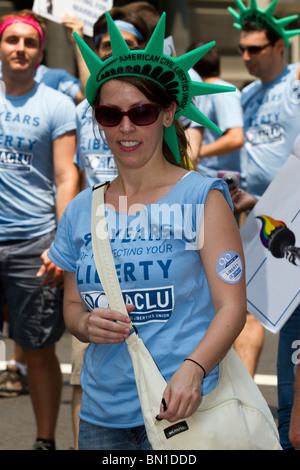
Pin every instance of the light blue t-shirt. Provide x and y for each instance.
(59, 79)
(160, 271)
(271, 125)
(225, 110)
(28, 126)
(93, 155)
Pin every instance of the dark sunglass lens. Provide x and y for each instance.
(107, 116)
(254, 49)
(143, 115)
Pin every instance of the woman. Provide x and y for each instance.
(169, 263)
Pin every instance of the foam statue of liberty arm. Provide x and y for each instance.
(151, 63)
(264, 18)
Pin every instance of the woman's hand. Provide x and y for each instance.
(182, 395)
(103, 327)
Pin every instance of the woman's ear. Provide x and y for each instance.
(169, 114)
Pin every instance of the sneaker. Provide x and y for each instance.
(43, 444)
(12, 382)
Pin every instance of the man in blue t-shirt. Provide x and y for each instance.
(270, 105)
(38, 179)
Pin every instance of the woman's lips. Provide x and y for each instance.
(129, 144)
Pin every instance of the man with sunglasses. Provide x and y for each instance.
(270, 105)
(271, 109)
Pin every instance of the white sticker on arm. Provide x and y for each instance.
(230, 267)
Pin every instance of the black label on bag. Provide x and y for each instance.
(176, 429)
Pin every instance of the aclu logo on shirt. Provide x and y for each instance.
(267, 134)
(155, 304)
(17, 161)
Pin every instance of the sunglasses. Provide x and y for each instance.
(253, 50)
(142, 115)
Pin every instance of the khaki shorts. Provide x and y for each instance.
(78, 350)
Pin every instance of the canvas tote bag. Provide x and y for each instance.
(233, 416)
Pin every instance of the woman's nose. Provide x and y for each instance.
(126, 124)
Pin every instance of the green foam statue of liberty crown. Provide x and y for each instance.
(151, 63)
(264, 18)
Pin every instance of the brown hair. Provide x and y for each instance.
(249, 27)
(147, 11)
(209, 64)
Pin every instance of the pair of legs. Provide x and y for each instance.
(45, 387)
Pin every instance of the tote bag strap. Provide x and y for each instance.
(102, 252)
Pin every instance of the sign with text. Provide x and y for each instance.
(88, 11)
(271, 241)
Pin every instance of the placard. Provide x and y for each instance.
(88, 11)
(271, 241)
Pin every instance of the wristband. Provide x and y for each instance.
(192, 360)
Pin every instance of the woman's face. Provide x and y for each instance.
(133, 146)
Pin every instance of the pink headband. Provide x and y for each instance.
(23, 19)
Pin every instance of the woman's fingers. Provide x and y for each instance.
(104, 326)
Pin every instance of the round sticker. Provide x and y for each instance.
(230, 267)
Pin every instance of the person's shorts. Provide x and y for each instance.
(78, 350)
(35, 312)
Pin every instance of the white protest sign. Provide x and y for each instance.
(271, 241)
(88, 11)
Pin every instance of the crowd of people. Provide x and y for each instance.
(60, 136)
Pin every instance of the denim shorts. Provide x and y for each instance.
(35, 312)
(93, 437)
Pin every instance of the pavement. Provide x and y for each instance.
(17, 425)
(17, 422)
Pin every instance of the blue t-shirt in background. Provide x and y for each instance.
(225, 110)
(271, 125)
(93, 155)
(59, 79)
(28, 126)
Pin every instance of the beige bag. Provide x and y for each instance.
(233, 416)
